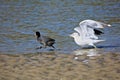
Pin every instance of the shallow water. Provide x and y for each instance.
(55, 18)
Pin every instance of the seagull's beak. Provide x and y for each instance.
(70, 35)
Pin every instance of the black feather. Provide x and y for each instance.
(45, 40)
(98, 32)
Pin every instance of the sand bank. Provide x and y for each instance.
(54, 66)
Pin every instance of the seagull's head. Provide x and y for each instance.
(74, 35)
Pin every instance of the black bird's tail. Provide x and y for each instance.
(50, 43)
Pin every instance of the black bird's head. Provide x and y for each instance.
(38, 34)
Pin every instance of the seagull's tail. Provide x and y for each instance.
(97, 41)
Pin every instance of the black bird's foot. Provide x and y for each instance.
(39, 47)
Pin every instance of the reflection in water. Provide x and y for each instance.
(87, 53)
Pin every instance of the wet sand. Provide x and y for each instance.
(55, 66)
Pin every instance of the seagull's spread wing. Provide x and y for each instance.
(80, 32)
(93, 24)
(86, 33)
(91, 33)
(88, 28)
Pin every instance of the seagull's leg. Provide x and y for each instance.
(41, 47)
(93, 45)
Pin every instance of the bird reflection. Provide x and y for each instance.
(87, 53)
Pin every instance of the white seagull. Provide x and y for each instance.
(87, 32)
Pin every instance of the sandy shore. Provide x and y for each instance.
(54, 66)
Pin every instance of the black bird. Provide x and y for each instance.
(45, 40)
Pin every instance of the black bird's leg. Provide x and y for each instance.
(44, 45)
(53, 46)
(41, 47)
